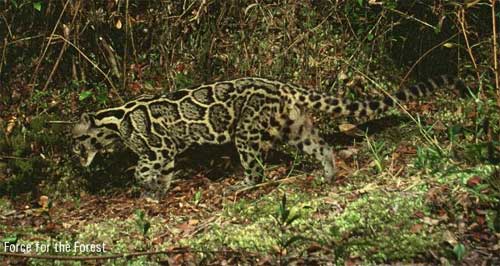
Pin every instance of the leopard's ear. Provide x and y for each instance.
(87, 118)
(86, 122)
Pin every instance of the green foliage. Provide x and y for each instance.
(29, 149)
(459, 251)
(142, 222)
(480, 184)
(99, 93)
(429, 159)
(197, 197)
(84, 95)
(182, 80)
(37, 6)
(486, 152)
(493, 219)
(11, 239)
(378, 151)
(284, 219)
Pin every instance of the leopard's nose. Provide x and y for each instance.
(84, 162)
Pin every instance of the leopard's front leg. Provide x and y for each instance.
(154, 176)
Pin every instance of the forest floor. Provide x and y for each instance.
(394, 201)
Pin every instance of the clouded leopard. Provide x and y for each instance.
(252, 113)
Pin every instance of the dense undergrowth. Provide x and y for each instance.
(416, 187)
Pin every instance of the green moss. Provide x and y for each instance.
(118, 236)
(5, 203)
(252, 225)
(380, 227)
(251, 237)
(267, 206)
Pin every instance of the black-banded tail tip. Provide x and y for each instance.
(444, 80)
(457, 83)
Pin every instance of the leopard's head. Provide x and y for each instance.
(89, 139)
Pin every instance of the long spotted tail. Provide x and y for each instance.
(340, 107)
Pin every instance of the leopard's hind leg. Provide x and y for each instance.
(299, 131)
(252, 141)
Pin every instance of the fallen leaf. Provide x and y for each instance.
(310, 178)
(419, 214)
(480, 220)
(135, 87)
(476, 236)
(118, 24)
(449, 45)
(450, 238)
(351, 130)
(443, 215)
(10, 125)
(430, 221)
(406, 149)
(186, 228)
(474, 181)
(342, 76)
(439, 126)
(346, 127)
(66, 225)
(180, 67)
(314, 247)
(43, 201)
(416, 228)
(157, 241)
(425, 108)
(374, 2)
(347, 153)
(51, 227)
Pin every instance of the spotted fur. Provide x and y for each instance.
(253, 113)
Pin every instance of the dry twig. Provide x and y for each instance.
(33, 77)
(124, 66)
(495, 52)
(461, 20)
(63, 49)
(102, 257)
